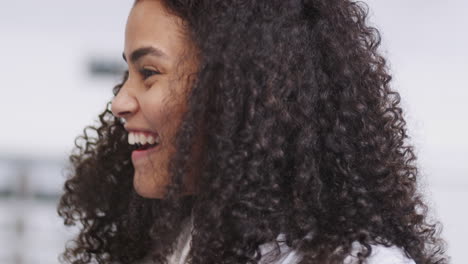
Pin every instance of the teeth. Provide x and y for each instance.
(150, 139)
(142, 139)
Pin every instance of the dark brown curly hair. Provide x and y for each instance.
(302, 136)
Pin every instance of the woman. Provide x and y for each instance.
(249, 132)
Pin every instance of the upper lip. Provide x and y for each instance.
(135, 129)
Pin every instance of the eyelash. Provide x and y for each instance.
(147, 73)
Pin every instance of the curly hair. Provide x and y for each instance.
(302, 136)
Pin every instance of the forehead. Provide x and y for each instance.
(150, 25)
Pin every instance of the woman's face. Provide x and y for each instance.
(152, 100)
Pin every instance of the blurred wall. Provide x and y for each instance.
(426, 43)
(47, 90)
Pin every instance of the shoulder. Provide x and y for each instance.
(278, 253)
(380, 255)
(383, 255)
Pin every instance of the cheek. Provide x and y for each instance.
(154, 105)
(163, 106)
(163, 114)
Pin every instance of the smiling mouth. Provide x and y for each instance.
(141, 141)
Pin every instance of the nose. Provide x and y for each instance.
(124, 103)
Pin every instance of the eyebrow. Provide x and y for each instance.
(144, 51)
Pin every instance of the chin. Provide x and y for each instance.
(150, 193)
(149, 189)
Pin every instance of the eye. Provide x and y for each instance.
(146, 73)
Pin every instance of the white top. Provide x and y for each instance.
(379, 255)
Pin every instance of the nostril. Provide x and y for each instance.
(123, 113)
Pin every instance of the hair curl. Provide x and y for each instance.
(303, 136)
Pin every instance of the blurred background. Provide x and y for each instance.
(62, 58)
